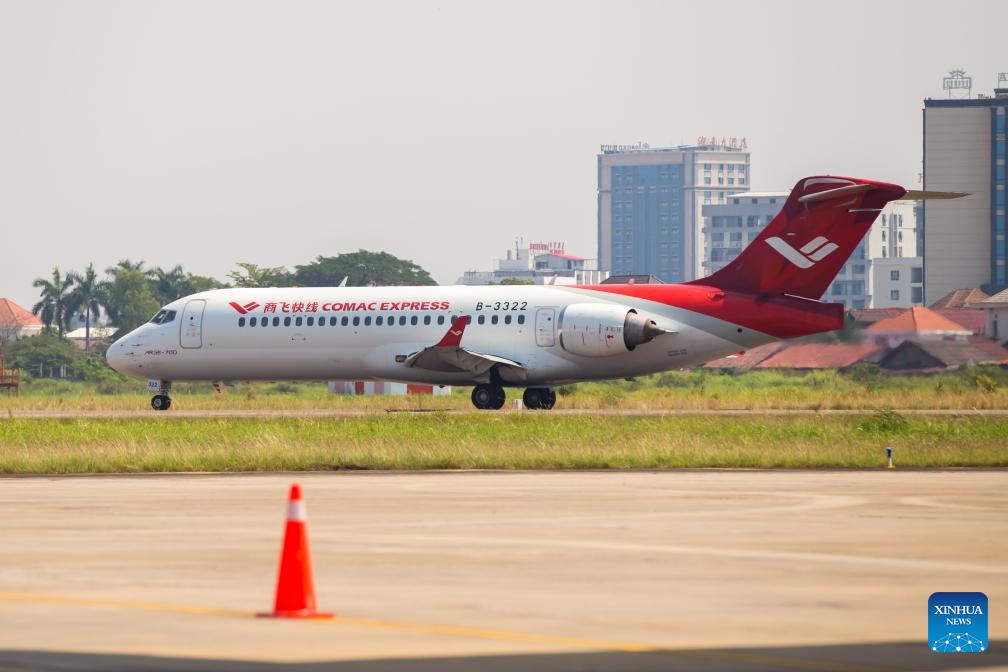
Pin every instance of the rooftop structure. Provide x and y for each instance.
(542, 263)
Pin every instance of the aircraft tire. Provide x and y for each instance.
(160, 402)
(533, 398)
(483, 397)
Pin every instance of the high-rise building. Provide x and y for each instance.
(882, 272)
(964, 150)
(649, 202)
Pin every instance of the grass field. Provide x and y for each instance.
(464, 439)
(866, 388)
(497, 441)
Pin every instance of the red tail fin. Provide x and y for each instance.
(806, 244)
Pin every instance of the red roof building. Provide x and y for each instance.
(746, 359)
(16, 322)
(917, 323)
(960, 298)
(809, 356)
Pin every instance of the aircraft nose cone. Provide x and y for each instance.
(116, 357)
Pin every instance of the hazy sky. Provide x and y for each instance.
(208, 133)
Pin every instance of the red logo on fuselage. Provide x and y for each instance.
(251, 305)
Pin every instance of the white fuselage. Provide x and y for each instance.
(331, 333)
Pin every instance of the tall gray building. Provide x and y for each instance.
(964, 150)
(649, 202)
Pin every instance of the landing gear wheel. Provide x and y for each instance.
(533, 398)
(160, 402)
(486, 397)
(550, 400)
(539, 398)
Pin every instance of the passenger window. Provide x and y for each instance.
(297, 322)
(241, 321)
(440, 319)
(264, 322)
(332, 321)
(426, 319)
(507, 319)
(287, 321)
(367, 321)
(521, 319)
(402, 320)
(494, 319)
(481, 319)
(344, 321)
(356, 321)
(310, 322)
(276, 321)
(413, 320)
(379, 321)
(252, 322)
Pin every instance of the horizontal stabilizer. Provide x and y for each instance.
(932, 195)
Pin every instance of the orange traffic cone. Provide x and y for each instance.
(295, 594)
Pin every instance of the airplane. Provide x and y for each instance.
(535, 337)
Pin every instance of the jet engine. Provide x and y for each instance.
(600, 330)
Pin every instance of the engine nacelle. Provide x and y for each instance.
(604, 329)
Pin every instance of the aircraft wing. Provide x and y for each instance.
(448, 355)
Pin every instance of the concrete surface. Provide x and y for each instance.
(705, 570)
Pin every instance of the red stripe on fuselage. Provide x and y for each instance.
(779, 316)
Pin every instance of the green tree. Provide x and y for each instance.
(201, 283)
(54, 304)
(253, 275)
(88, 296)
(362, 268)
(130, 301)
(46, 355)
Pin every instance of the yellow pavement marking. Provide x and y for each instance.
(756, 659)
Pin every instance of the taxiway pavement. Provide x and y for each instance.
(706, 570)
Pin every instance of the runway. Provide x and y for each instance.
(184, 414)
(705, 570)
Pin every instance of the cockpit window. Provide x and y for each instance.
(163, 316)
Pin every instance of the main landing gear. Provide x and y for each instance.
(491, 397)
(539, 398)
(161, 401)
(486, 397)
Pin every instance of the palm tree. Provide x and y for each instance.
(88, 295)
(169, 285)
(54, 305)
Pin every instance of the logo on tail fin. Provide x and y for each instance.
(814, 251)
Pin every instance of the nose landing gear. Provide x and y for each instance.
(160, 401)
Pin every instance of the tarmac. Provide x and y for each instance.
(694, 570)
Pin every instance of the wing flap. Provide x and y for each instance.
(448, 356)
